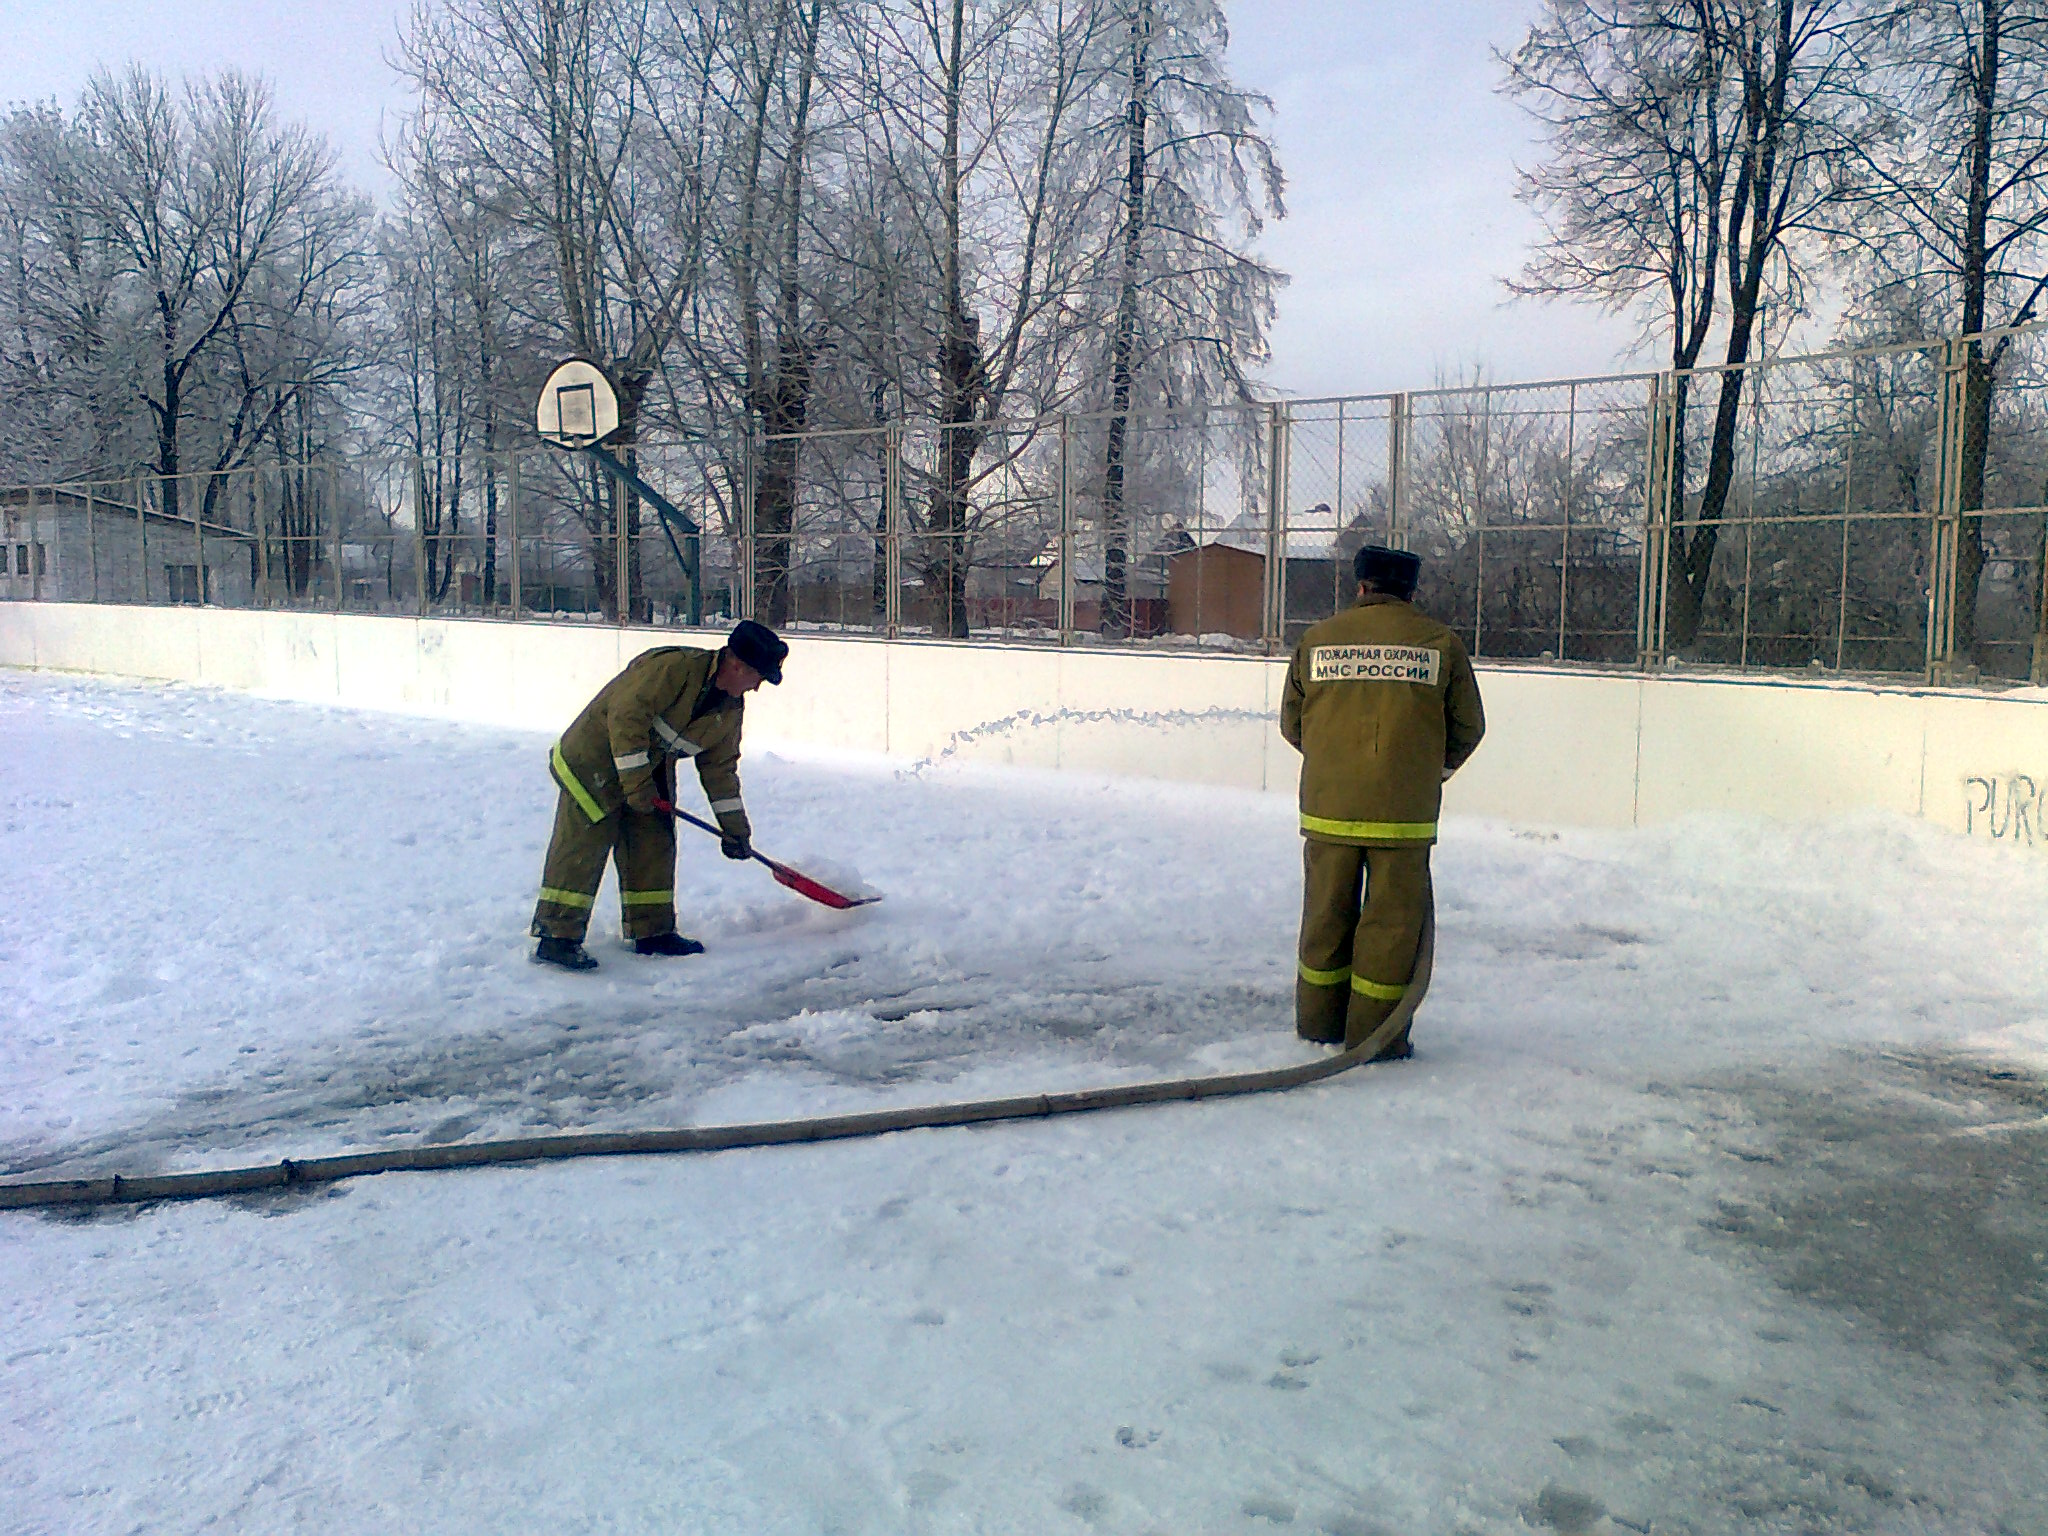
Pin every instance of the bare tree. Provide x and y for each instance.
(194, 198)
(979, 100)
(435, 406)
(482, 258)
(57, 308)
(1693, 142)
(183, 268)
(1956, 211)
(300, 332)
(1191, 305)
(877, 278)
(755, 328)
(593, 141)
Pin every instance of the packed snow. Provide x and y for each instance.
(1715, 1199)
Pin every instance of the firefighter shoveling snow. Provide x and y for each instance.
(1715, 1198)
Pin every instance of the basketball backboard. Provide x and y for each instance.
(578, 405)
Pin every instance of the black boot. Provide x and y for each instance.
(667, 944)
(569, 954)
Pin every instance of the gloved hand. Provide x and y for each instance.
(647, 801)
(735, 848)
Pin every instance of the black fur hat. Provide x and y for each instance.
(760, 648)
(1392, 571)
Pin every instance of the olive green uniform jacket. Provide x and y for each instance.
(661, 707)
(1382, 704)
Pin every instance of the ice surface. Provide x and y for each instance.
(1716, 1199)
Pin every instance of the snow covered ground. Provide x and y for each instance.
(1716, 1198)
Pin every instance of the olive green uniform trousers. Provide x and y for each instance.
(1361, 924)
(642, 845)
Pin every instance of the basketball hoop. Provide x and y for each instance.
(578, 407)
(578, 410)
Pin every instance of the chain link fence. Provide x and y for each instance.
(1877, 511)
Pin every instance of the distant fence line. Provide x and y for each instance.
(1852, 511)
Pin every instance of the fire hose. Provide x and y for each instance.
(295, 1173)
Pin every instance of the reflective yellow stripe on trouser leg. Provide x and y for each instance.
(577, 850)
(1389, 928)
(1331, 874)
(1379, 991)
(646, 860)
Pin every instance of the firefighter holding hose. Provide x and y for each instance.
(615, 767)
(1382, 705)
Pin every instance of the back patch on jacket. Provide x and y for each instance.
(1374, 664)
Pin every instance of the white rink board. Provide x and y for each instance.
(1564, 747)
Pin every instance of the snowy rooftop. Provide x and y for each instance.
(1315, 543)
(1715, 1200)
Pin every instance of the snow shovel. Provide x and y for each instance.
(795, 879)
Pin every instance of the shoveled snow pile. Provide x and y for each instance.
(834, 874)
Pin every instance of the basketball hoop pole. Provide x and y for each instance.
(666, 513)
(578, 410)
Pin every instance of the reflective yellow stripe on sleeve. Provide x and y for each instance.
(1402, 831)
(1379, 990)
(677, 742)
(1316, 978)
(562, 898)
(647, 898)
(574, 785)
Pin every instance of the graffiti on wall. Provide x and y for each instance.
(2011, 807)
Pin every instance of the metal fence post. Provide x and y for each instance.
(2037, 666)
(92, 541)
(35, 547)
(419, 535)
(1479, 526)
(746, 551)
(142, 533)
(259, 525)
(1848, 507)
(1652, 579)
(1564, 556)
(1945, 528)
(1273, 622)
(1337, 493)
(1066, 511)
(622, 596)
(512, 516)
(1400, 429)
(198, 547)
(892, 531)
(334, 521)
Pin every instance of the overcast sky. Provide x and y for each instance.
(1400, 159)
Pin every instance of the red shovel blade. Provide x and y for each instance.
(796, 880)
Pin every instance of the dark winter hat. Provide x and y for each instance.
(1392, 571)
(760, 648)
